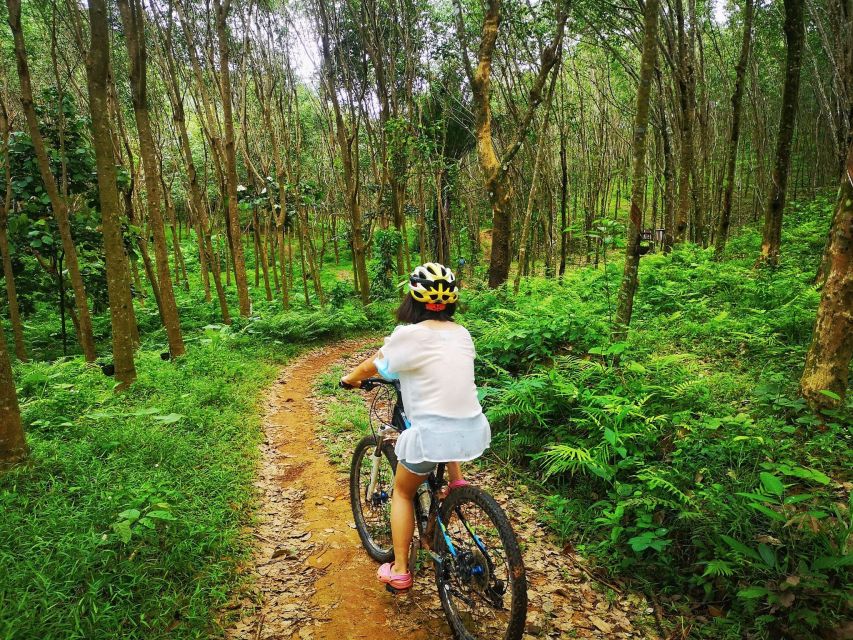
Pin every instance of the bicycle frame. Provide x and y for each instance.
(434, 481)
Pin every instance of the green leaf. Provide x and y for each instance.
(773, 515)
(130, 514)
(771, 483)
(610, 436)
(741, 547)
(752, 592)
(830, 394)
(169, 418)
(122, 530)
(767, 554)
(161, 515)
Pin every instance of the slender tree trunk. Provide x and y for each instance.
(687, 106)
(222, 10)
(133, 20)
(13, 446)
(638, 177)
(794, 35)
(537, 162)
(122, 316)
(5, 205)
(564, 182)
(495, 168)
(734, 136)
(828, 360)
(59, 206)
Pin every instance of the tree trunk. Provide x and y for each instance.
(122, 316)
(58, 205)
(222, 9)
(828, 360)
(794, 34)
(638, 177)
(13, 447)
(537, 162)
(734, 136)
(5, 205)
(687, 104)
(132, 17)
(495, 168)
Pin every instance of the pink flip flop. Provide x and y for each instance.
(396, 580)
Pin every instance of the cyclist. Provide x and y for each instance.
(433, 357)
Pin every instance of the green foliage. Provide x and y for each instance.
(129, 518)
(383, 268)
(690, 463)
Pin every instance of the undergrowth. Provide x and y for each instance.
(683, 457)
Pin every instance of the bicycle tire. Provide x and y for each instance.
(515, 569)
(366, 447)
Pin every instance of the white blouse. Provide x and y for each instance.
(436, 372)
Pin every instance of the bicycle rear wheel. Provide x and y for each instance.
(481, 579)
(372, 513)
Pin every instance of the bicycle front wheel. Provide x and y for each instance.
(480, 577)
(371, 506)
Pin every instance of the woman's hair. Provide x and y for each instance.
(411, 311)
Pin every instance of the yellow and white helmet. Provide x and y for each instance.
(433, 283)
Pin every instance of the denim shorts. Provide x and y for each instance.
(419, 468)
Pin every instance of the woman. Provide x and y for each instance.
(433, 357)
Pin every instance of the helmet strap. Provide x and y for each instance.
(435, 306)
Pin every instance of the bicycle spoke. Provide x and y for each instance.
(480, 575)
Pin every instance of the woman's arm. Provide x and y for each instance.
(366, 369)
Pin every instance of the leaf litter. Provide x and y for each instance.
(311, 579)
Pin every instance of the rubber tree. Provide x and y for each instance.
(5, 206)
(57, 202)
(13, 446)
(734, 135)
(495, 167)
(133, 20)
(628, 286)
(794, 36)
(222, 10)
(825, 376)
(122, 317)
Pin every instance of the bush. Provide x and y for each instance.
(683, 457)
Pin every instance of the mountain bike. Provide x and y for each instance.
(479, 571)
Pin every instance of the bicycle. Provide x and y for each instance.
(479, 571)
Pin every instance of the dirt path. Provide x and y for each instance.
(312, 580)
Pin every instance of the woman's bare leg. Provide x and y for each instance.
(454, 471)
(406, 485)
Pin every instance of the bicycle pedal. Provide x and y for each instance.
(394, 591)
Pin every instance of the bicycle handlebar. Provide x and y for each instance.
(368, 384)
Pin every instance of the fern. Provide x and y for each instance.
(654, 481)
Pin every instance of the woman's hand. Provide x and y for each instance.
(349, 382)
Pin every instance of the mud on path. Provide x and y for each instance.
(312, 580)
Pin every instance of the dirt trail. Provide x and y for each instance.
(312, 579)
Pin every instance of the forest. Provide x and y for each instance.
(648, 206)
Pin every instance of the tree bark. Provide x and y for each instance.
(794, 35)
(13, 446)
(222, 10)
(495, 168)
(734, 136)
(687, 105)
(5, 205)
(828, 359)
(133, 20)
(122, 316)
(628, 286)
(58, 205)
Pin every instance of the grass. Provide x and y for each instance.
(173, 458)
